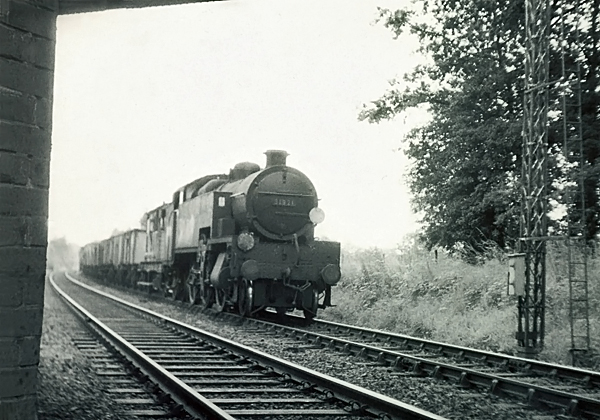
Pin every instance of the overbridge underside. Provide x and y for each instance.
(81, 6)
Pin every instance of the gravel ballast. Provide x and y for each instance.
(438, 397)
(68, 385)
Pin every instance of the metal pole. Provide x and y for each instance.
(534, 173)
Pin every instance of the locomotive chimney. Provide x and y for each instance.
(276, 157)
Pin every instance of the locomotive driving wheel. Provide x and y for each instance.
(193, 289)
(220, 299)
(177, 289)
(193, 293)
(207, 295)
(310, 312)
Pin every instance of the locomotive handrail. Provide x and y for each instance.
(285, 194)
(288, 213)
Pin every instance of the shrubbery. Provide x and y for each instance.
(408, 290)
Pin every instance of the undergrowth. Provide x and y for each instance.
(408, 290)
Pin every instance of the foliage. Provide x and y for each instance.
(467, 159)
(588, 57)
(408, 291)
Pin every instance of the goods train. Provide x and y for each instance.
(243, 241)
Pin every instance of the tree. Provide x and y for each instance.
(467, 159)
(463, 180)
(590, 109)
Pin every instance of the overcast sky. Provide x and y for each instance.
(147, 100)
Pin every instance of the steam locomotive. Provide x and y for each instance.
(243, 241)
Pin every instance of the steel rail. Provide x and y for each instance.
(586, 377)
(191, 401)
(535, 395)
(360, 399)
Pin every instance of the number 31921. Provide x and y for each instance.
(284, 202)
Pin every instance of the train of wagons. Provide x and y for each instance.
(243, 241)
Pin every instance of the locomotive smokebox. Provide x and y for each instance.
(276, 157)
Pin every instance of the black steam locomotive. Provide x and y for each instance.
(243, 240)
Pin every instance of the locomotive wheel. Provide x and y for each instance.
(193, 293)
(244, 298)
(220, 300)
(192, 289)
(207, 295)
(177, 290)
(309, 314)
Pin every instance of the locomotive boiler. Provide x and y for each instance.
(243, 240)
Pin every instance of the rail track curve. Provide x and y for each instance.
(213, 377)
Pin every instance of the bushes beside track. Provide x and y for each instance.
(409, 291)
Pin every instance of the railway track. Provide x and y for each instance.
(209, 376)
(542, 385)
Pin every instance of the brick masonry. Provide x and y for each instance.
(27, 41)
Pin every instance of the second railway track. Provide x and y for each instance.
(544, 385)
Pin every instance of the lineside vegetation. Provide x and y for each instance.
(408, 291)
(465, 180)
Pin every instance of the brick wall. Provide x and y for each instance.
(27, 39)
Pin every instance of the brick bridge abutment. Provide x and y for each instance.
(27, 40)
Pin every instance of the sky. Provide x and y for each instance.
(147, 100)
